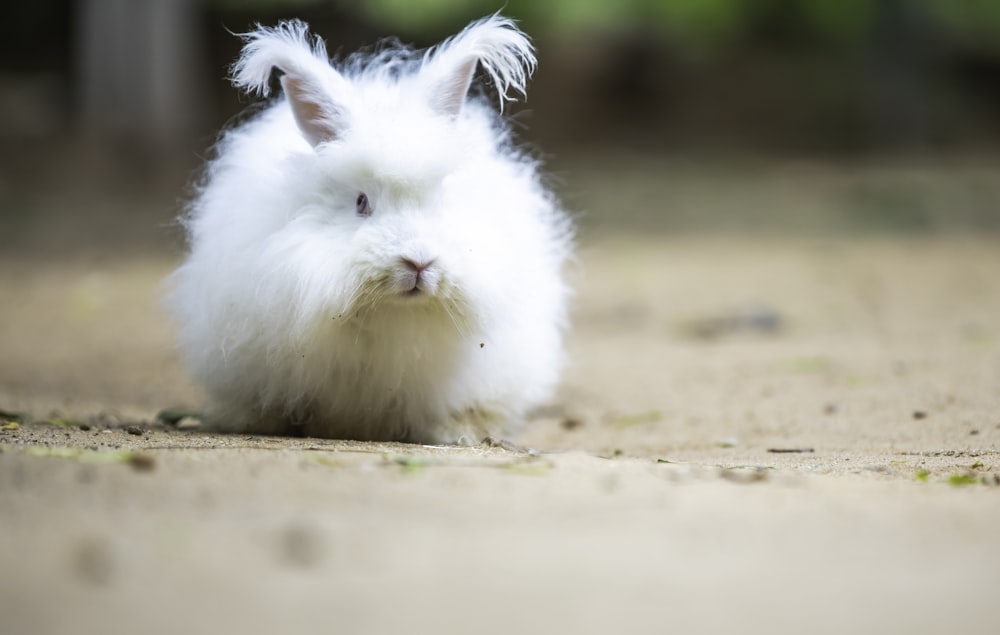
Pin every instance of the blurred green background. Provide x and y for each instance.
(738, 116)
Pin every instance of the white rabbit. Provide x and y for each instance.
(370, 257)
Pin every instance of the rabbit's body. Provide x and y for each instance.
(387, 269)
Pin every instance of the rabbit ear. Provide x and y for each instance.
(318, 117)
(309, 81)
(505, 52)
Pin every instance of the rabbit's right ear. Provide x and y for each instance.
(309, 81)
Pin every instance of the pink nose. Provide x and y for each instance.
(418, 266)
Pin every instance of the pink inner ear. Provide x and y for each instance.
(314, 112)
(449, 97)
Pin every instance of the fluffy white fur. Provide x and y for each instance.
(438, 318)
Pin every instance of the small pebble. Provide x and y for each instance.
(919, 414)
(301, 546)
(93, 562)
(134, 430)
(142, 462)
(882, 469)
(571, 423)
(744, 475)
(188, 423)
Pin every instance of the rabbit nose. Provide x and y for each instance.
(417, 266)
(417, 278)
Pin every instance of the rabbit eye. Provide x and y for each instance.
(362, 206)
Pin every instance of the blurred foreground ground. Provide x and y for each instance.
(863, 346)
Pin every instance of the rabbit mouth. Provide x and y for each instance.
(435, 298)
(405, 284)
(417, 278)
(419, 289)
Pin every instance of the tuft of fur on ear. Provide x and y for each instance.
(287, 46)
(309, 81)
(505, 53)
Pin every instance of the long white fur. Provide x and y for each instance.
(502, 50)
(291, 307)
(286, 46)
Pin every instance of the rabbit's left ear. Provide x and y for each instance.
(504, 51)
(314, 89)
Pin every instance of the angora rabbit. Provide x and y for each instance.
(370, 257)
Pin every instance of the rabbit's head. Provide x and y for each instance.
(394, 195)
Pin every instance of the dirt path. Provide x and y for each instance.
(657, 500)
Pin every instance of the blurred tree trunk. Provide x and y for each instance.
(902, 58)
(138, 72)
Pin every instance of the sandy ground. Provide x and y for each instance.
(756, 435)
